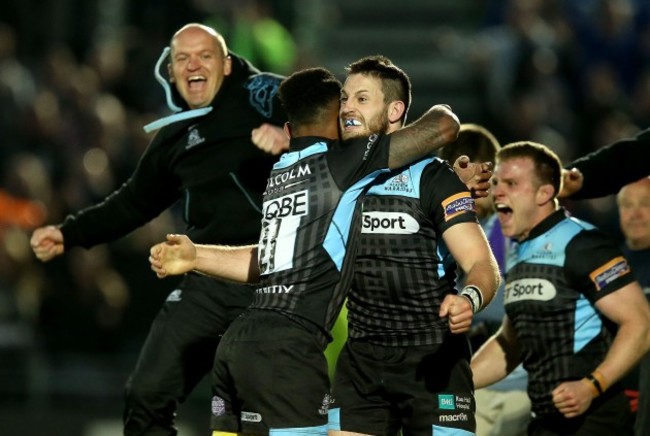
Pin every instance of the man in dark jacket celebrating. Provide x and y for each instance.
(203, 155)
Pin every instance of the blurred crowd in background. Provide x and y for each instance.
(77, 86)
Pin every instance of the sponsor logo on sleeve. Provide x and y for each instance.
(458, 204)
(529, 290)
(609, 272)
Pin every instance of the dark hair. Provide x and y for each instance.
(395, 83)
(548, 167)
(474, 141)
(306, 94)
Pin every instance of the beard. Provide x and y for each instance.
(378, 125)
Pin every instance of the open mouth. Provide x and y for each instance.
(196, 82)
(350, 122)
(502, 208)
(504, 212)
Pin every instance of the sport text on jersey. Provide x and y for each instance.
(395, 223)
(529, 289)
(278, 182)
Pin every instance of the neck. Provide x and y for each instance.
(313, 130)
(637, 244)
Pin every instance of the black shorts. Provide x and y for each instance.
(270, 376)
(422, 390)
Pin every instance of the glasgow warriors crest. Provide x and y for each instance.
(261, 89)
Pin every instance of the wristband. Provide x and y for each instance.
(597, 383)
(598, 380)
(474, 295)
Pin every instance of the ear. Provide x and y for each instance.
(545, 193)
(170, 72)
(227, 66)
(287, 129)
(395, 110)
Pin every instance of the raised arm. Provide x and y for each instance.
(608, 169)
(437, 127)
(179, 255)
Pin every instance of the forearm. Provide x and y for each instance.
(485, 276)
(127, 212)
(237, 264)
(490, 364)
(609, 168)
(437, 127)
(630, 345)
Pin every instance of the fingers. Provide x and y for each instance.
(172, 238)
(260, 137)
(487, 166)
(270, 138)
(459, 313)
(157, 268)
(462, 162)
(574, 174)
(571, 399)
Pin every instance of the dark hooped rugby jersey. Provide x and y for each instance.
(403, 269)
(309, 227)
(553, 280)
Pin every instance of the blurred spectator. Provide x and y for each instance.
(257, 35)
(634, 210)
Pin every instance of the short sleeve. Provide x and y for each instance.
(444, 197)
(595, 265)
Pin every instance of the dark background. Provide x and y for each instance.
(76, 87)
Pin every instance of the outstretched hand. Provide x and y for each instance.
(270, 139)
(175, 256)
(475, 175)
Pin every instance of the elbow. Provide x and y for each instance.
(449, 124)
